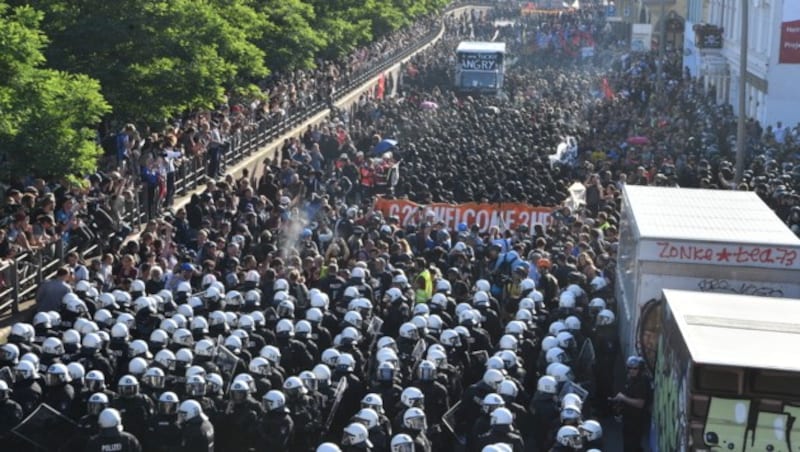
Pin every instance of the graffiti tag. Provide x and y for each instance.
(750, 255)
(738, 425)
(723, 285)
(669, 410)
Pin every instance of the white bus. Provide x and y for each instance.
(479, 67)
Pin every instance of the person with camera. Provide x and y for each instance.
(631, 404)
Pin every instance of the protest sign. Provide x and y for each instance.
(485, 215)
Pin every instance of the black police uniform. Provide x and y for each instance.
(436, 399)
(544, 409)
(239, 427)
(276, 431)
(421, 441)
(10, 416)
(633, 418)
(396, 314)
(482, 425)
(502, 434)
(163, 433)
(471, 403)
(60, 397)
(380, 439)
(307, 422)
(113, 440)
(197, 435)
(28, 394)
(136, 412)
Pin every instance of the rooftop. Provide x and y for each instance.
(738, 330)
(723, 216)
(480, 46)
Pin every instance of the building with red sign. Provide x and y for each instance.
(773, 66)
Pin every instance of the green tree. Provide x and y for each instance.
(155, 58)
(47, 115)
(290, 38)
(344, 28)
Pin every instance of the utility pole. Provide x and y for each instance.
(741, 132)
(662, 47)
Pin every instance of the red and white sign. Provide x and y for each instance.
(508, 215)
(790, 33)
(765, 256)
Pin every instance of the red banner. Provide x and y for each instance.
(503, 215)
(790, 33)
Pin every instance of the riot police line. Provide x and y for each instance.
(359, 370)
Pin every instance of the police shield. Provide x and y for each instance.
(375, 326)
(573, 388)
(449, 418)
(225, 359)
(374, 330)
(337, 400)
(7, 376)
(419, 351)
(584, 363)
(46, 428)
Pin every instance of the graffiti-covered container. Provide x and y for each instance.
(720, 241)
(724, 376)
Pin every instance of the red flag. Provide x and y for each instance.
(381, 87)
(608, 93)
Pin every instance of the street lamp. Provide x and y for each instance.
(741, 145)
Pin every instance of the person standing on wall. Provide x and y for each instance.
(632, 404)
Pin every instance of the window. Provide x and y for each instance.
(716, 379)
(695, 11)
(778, 383)
(479, 80)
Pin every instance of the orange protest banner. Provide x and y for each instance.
(510, 215)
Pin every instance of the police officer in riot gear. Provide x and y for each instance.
(90, 356)
(502, 431)
(276, 427)
(238, 430)
(378, 436)
(436, 397)
(10, 411)
(544, 409)
(163, 433)
(305, 414)
(134, 407)
(472, 400)
(197, 433)
(631, 403)
(483, 422)
(345, 366)
(58, 393)
(415, 426)
(112, 436)
(27, 391)
(294, 355)
(386, 386)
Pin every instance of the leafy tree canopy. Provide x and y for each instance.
(47, 117)
(153, 59)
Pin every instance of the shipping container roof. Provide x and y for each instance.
(721, 216)
(738, 330)
(481, 47)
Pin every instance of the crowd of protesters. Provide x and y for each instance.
(141, 164)
(279, 311)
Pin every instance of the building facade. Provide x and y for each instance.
(772, 92)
